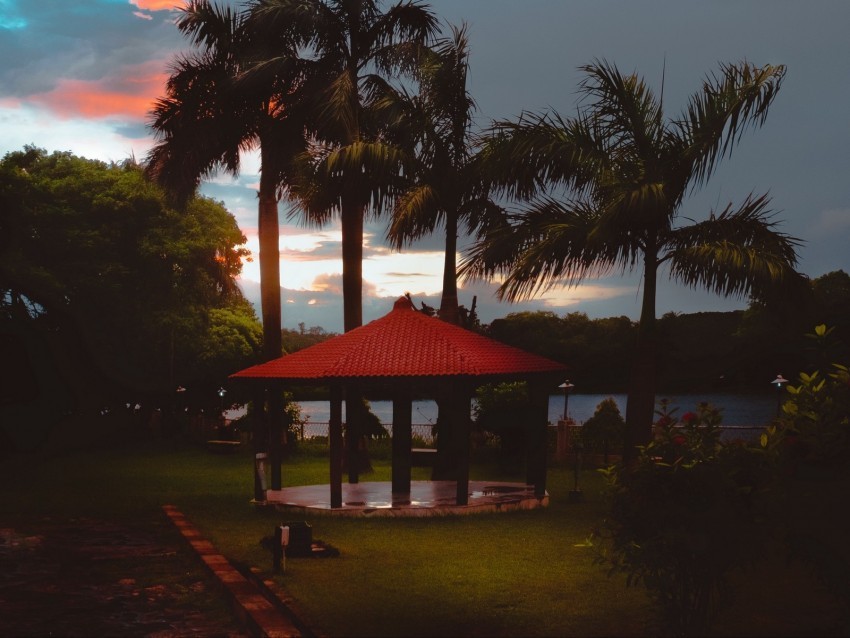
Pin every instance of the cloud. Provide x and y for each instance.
(125, 93)
(831, 222)
(10, 17)
(156, 5)
(329, 283)
(144, 16)
(86, 138)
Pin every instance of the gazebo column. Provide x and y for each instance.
(276, 417)
(460, 443)
(353, 430)
(402, 443)
(259, 439)
(536, 444)
(336, 447)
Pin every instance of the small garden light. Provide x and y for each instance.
(779, 382)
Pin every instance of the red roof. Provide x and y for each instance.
(403, 343)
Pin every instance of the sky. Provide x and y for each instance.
(81, 76)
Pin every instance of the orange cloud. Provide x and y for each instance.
(157, 5)
(129, 94)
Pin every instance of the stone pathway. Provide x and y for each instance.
(88, 577)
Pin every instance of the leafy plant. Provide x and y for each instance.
(814, 426)
(683, 517)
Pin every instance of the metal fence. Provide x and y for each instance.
(728, 432)
(423, 433)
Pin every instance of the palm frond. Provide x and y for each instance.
(547, 245)
(624, 110)
(415, 214)
(209, 25)
(521, 159)
(717, 117)
(735, 253)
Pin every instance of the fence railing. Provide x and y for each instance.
(423, 433)
(728, 432)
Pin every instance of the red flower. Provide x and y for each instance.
(687, 417)
(679, 440)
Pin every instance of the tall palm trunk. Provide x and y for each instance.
(449, 416)
(352, 291)
(448, 301)
(640, 403)
(352, 265)
(269, 235)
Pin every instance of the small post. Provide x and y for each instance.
(575, 493)
(281, 540)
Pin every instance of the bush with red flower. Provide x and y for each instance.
(683, 516)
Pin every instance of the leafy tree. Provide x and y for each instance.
(605, 429)
(126, 292)
(588, 346)
(501, 409)
(628, 171)
(295, 340)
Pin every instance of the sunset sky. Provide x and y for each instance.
(81, 75)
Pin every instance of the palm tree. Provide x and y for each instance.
(627, 171)
(434, 128)
(352, 47)
(209, 116)
(212, 112)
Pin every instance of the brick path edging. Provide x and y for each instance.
(258, 614)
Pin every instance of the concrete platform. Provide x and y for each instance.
(426, 498)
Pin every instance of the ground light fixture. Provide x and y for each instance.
(779, 382)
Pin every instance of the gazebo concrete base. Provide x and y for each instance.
(427, 498)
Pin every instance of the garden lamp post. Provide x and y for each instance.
(221, 393)
(567, 386)
(779, 382)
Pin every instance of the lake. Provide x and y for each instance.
(738, 410)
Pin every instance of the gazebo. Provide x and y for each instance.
(404, 354)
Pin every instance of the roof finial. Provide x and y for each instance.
(403, 303)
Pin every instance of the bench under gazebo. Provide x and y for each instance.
(404, 354)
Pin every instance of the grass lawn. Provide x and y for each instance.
(512, 574)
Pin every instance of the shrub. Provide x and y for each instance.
(682, 516)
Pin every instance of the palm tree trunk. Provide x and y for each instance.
(448, 301)
(448, 418)
(352, 265)
(352, 299)
(640, 403)
(269, 234)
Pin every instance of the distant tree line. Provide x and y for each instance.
(739, 351)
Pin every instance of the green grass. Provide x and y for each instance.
(513, 574)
